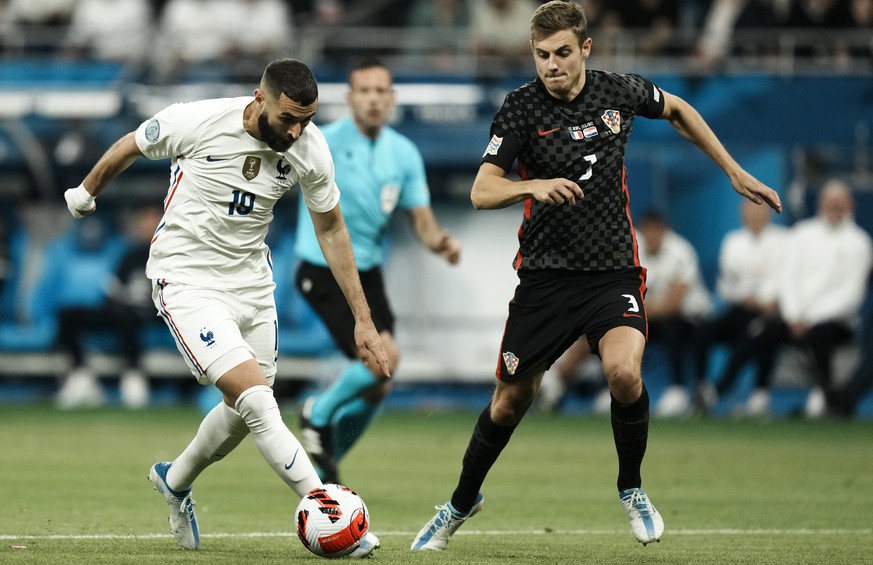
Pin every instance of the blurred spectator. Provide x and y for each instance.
(329, 12)
(127, 309)
(811, 14)
(221, 39)
(726, 17)
(193, 33)
(42, 12)
(444, 21)
(36, 26)
(677, 303)
(261, 31)
(826, 268)
(748, 282)
(654, 22)
(604, 27)
(817, 15)
(857, 47)
(111, 30)
(500, 34)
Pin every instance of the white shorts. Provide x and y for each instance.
(216, 330)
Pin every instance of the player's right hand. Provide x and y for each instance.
(80, 202)
(558, 191)
(371, 350)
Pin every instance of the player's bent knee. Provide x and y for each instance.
(625, 383)
(258, 407)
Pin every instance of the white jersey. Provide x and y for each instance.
(223, 186)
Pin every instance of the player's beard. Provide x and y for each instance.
(277, 142)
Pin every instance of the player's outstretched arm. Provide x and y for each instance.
(333, 238)
(432, 236)
(80, 200)
(492, 190)
(691, 125)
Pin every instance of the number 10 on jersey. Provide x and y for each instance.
(242, 204)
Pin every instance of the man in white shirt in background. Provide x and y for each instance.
(824, 282)
(749, 275)
(677, 303)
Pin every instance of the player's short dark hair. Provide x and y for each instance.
(365, 63)
(368, 62)
(654, 217)
(291, 78)
(559, 15)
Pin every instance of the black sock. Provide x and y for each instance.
(486, 443)
(630, 429)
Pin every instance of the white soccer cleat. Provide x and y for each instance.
(602, 403)
(816, 404)
(674, 403)
(645, 522)
(758, 405)
(183, 522)
(134, 388)
(81, 389)
(551, 393)
(436, 533)
(369, 544)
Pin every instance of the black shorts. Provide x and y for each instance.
(322, 292)
(552, 308)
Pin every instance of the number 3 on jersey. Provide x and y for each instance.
(242, 204)
(589, 172)
(632, 300)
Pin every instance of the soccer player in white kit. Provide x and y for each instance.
(232, 159)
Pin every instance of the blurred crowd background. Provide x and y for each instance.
(786, 84)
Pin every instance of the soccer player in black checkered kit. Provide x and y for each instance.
(578, 269)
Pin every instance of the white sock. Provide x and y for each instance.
(219, 433)
(277, 444)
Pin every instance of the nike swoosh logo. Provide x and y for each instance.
(626, 315)
(291, 464)
(361, 523)
(542, 133)
(212, 159)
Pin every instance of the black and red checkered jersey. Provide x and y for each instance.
(582, 140)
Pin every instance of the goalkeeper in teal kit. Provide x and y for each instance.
(378, 171)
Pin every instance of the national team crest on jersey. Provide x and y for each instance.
(283, 169)
(251, 167)
(493, 145)
(511, 362)
(612, 119)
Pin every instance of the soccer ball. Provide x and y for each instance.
(332, 520)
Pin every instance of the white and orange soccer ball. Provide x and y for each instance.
(332, 520)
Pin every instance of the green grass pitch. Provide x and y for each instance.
(73, 489)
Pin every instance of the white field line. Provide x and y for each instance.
(686, 532)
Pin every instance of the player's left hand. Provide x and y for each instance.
(757, 192)
(449, 248)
